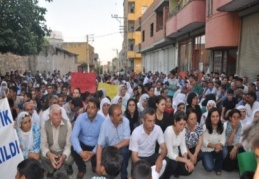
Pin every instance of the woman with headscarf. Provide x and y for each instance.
(104, 107)
(118, 100)
(29, 136)
(143, 101)
(3, 89)
(210, 104)
(124, 95)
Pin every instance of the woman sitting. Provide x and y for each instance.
(193, 137)
(233, 131)
(178, 163)
(213, 142)
(132, 114)
(29, 136)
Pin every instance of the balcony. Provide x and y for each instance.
(236, 5)
(132, 55)
(184, 19)
(160, 4)
(137, 25)
(137, 48)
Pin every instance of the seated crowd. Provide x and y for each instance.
(165, 125)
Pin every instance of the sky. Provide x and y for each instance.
(77, 18)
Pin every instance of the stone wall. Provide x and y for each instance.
(10, 62)
(50, 59)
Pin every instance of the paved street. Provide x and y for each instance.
(199, 173)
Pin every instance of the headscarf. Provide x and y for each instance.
(247, 121)
(204, 115)
(141, 100)
(104, 101)
(26, 138)
(115, 99)
(124, 98)
(3, 88)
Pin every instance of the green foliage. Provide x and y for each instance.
(22, 26)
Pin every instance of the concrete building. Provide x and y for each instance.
(158, 52)
(204, 35)
(133, 9)
(85, 54)
(246, 13)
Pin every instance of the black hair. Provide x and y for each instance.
(136, 113)
(252, 94)
(152, 102)
(230, 91)
(141, 170)
(158, 99)
(31, 169)
(28, 95)
(190, 97)
(232, 112)
(111, 160)
(190, 111)
(95, 101)
(178, 116)
(13, 88)
(77, 102)
(208, 123)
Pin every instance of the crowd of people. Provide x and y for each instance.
(165, 123)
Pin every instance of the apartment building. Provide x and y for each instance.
(204, 35)
(133, 9)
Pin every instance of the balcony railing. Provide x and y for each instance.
(181, 4)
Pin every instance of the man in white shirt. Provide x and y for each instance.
(158, 88)
(252, 104)
(143, 141)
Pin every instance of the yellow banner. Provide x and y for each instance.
(110, 90)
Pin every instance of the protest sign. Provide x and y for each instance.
(10, 152)
(111, 90)
(84, 81)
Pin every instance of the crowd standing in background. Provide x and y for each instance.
(166, 122)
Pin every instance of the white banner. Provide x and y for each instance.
(10, 152)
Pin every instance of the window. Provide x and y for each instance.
(143, 36)
(210, 8)
(143, 9)
(152, 30)
(131, 7)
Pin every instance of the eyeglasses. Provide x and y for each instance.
(31, 109)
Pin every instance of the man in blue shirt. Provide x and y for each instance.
(115, 131)
(85, 136)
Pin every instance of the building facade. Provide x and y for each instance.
(203, 35)
(133, 9)
(85, 54)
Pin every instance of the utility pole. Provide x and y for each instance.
(88, 50)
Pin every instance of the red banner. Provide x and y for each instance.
(84, 81)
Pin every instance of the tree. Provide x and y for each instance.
(22, 26)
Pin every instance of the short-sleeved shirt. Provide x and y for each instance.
(192, 137)
(111, 135)
(143, 143)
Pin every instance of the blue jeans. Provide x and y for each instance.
(213, 160)
(126, 155)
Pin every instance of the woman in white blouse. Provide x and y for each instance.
(213, 142)
(178, 163)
